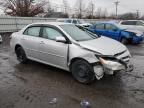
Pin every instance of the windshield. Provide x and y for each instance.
(77, 34)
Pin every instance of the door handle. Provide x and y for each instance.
(23, 39)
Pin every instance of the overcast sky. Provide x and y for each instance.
(124, 5)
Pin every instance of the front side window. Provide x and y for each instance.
(128, 23)
(68, 21)
(32, 31)
(50, 33)
(100, 26)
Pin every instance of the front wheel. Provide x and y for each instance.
(124, 41)
(21, 56)
(83, 71)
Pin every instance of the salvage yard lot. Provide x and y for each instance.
(33, 85)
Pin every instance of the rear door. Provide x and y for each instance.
(30, 41)
(53, 52)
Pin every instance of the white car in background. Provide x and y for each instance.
(133, 24)
(0, 39)
(80, 22)
(68, 47)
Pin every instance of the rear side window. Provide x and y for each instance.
(110, 27)
(129, 23)
(32, 31)
(100, 26)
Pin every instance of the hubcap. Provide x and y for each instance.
(82, 71)
(19, 55)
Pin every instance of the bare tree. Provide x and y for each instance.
(98, 12)
(111, 16)
(128, 16)
(65, 5)
(104, 14)
(24, 8)
(80, 8)
(90, 10)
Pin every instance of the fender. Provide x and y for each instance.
(76, 52)
(125, 35)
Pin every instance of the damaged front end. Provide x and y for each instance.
(109, 65)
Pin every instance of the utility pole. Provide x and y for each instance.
(92, 10)
(117, 3)
(137, 11)
(80, 9)
(65, 6)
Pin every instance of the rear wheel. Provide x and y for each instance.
(21, 56)
(83, 71)
(124, 41)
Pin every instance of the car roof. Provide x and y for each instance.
(131, 20)
(105, 23)
(51, 23)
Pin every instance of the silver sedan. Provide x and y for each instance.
(68, 47)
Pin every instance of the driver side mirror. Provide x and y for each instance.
(60, 39)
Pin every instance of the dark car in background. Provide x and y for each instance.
(133, 24)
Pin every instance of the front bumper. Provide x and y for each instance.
(137, 39)
(0, 39)
(111, 66)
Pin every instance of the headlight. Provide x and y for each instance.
(113, 65)
(139, 34)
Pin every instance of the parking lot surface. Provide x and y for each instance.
(35, 85)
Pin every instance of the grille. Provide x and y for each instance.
(123, 56)
(118, 54)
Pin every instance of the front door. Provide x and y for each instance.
(30, 42)
(53, 52)
(112, 31)
(99, 29)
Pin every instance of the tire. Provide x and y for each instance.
(82, 71)
(21, 56)
(124, 41)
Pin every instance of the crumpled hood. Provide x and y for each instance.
(104, 45)
(137, 32)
